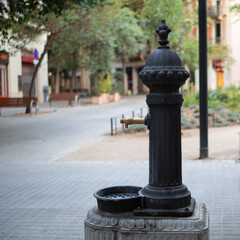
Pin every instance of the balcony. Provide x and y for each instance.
(216, 40)
(215, 12)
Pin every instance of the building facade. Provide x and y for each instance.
(16, 70)
(223, 34)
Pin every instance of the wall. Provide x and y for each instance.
(234, 76)
(14, 70)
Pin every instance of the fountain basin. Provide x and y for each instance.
(118, 199)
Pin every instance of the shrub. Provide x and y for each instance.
(101, 82)
(190, 99)
(117, 83)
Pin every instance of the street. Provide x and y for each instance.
(46, 137)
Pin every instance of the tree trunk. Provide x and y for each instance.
(57, 82)
(125, 82)
(73, 78)
(83, 79)
(192, 80)
(49, 40)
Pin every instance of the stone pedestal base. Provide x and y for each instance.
(126, 226)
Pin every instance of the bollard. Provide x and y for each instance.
(123, 125)
(141, 112)
(133, 114)
(239, 145)
(115, 125)
(111, 122)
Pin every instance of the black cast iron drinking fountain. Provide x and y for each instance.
(165, 194)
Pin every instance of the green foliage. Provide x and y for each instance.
(102, 82)
(235, 8)
(128, 34)
(173, 11)
(117, 83)
(190, 99)
(180, 20)
(189, 54)
(217, 52)
(135, 128)
(28, 12)
(227, 97)
(156, 10)
(188, 123)
(97, 37)
(134, 5)
(217, 99)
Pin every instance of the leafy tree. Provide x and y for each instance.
(26, 19)
(129, 37)
(102, 35)
(217, 52)
(170, 10)
(189, 55)
(69, 45)
(86, 41)
(125, 35)
(135, 6)
(24, 11)
(179, 19)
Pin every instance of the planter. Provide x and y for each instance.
(116, 97)
(111, 98)
(105, 97)
(97, 100)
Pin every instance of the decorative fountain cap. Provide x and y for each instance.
(163, 30)
(163, 68)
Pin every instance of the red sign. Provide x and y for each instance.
(4, 58)
(218, 64)
(27, 60)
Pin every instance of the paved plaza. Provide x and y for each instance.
(51, 200)
(41, 198)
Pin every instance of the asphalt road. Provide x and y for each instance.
(49, 136)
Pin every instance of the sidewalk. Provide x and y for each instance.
(45, 107)
(223, 145)
(43, 199)
(51, 201)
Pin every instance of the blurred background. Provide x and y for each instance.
(96, 46)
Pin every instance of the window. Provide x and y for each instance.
(19, 83)
(218, 32)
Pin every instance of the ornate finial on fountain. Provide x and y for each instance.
(163, 30)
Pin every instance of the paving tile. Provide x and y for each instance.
(51, 201)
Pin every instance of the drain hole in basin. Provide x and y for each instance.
(121, 196)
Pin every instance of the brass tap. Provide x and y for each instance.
(129, 121)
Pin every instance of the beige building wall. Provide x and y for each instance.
(234, 66)
(230, 35)
(212, 78)
(14, 69)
